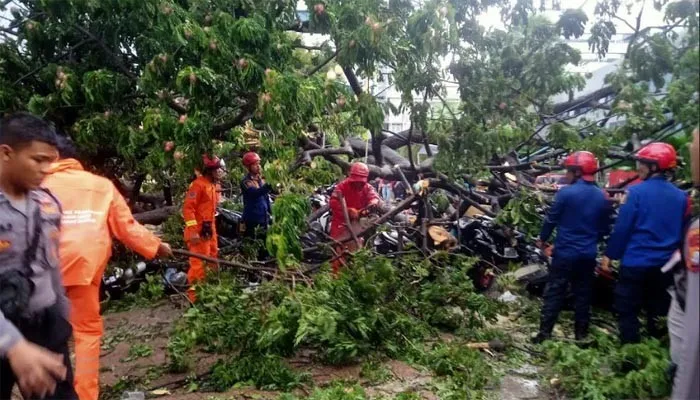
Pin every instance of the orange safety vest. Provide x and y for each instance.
(93, 212)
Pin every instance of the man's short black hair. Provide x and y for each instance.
(21, 129)
(66, 148)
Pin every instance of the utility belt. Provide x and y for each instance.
(16, 286)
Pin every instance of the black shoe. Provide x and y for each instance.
(541, 337)
(580, 331)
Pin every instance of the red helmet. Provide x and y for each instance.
(359, 172)
(583, 161)
(213, 162)
(661, 154)
(250, 158)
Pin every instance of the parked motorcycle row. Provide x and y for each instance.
(473, 234)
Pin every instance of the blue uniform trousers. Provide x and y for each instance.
(577, 273)
(639, 288)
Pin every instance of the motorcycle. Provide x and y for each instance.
(495, 246)
(228, 229)
(120, 281)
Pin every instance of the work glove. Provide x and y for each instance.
(206, 232)
(354, 214)
(164, 251)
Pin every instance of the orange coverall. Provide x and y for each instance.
(93, 212)
(357, 199)
(200, 206)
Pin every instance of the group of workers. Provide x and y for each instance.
(51, 208)
(57, 222)
(654, 233)
(199, 211)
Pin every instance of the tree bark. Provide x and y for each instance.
(155, 217)
(583, 101)
(403, 138)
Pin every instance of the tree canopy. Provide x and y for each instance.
(145, 87)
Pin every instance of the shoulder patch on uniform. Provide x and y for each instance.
(4, 245)
(191, 195)
(692, 244)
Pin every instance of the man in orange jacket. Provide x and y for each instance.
(359, 196)
(93, 212)
(199, 211)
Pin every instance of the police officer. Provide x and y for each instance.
(34, 328)
(684, 314)
(648, 231)
(581, 214)
(256, 198)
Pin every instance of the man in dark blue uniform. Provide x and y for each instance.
(648, 231)
(581, 214)
(256, 199)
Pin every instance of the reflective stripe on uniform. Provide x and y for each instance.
(190, 223)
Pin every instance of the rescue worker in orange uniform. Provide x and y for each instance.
(93, 213)
(359, 196)
(199, 211)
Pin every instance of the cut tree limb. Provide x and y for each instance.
(155, 217)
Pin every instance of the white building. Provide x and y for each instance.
(594, 68)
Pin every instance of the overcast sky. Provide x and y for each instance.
(651, 17)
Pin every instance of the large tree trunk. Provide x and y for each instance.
(388, 155)
(400, 139)
(155, 217)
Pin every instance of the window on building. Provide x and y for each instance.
(396, 127)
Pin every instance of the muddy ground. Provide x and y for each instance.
(134, 357)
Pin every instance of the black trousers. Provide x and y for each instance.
(578, 274)
(52, 331)
(637, 289)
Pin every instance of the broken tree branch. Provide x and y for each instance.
(324, 63)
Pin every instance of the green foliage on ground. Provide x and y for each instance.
(463, 372)
(267, 372)
(336, 391)
(607, 371)
(373, 306)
